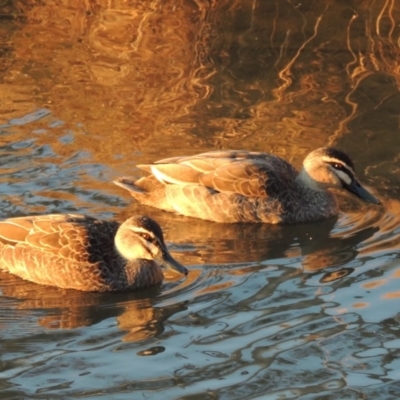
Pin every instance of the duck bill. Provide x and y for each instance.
(356, 188)
(168, 261)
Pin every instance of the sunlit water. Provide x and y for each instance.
(88, 91)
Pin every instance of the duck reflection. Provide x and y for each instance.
(319, 245)
(71, 309)
(322, 250)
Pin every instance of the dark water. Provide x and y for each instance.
(90, 89)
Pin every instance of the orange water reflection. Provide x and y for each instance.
(137, 73)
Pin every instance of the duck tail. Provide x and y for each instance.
(129, 184)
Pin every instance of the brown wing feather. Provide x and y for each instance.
(206, 164)
(12, 233)
(177, 174)
(52, 234)
(245, 177)
(214, 155)
(250, 174)
(186, 170)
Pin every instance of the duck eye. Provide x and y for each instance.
(338, 166)
(147, 237)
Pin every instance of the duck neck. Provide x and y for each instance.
(305, 180)
(316, 201)
(143, 273)
(137, 272)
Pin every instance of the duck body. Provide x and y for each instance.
(241, 186)
(84, 253)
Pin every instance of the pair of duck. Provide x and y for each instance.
(84, 253)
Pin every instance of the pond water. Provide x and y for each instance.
(88, 90)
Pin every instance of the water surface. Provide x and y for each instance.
(89, 90)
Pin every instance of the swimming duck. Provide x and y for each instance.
(245, 186)
(84, 253)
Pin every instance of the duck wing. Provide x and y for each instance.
(65, 236)
(250, 174)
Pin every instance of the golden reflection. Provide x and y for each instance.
(332, 276)
(396, 274)
(112, 62)
(374, 284)
(72, 309)
(360, 305)
(284, 73)
(218, 287)
(378, 54)
(152, 69)
(392, 295)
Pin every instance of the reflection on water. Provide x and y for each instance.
(90, 89)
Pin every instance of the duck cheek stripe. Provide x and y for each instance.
(344, 177)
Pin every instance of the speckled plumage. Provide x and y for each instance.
(242, 186)
(84, 253)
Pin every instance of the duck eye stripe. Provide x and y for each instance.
(345, 176)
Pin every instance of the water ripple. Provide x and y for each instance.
(91, 90)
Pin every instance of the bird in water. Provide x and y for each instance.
(84, 253)
(244, 186)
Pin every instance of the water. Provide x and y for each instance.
(89, 90)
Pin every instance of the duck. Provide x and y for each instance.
(231, 186)
(74, 251)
